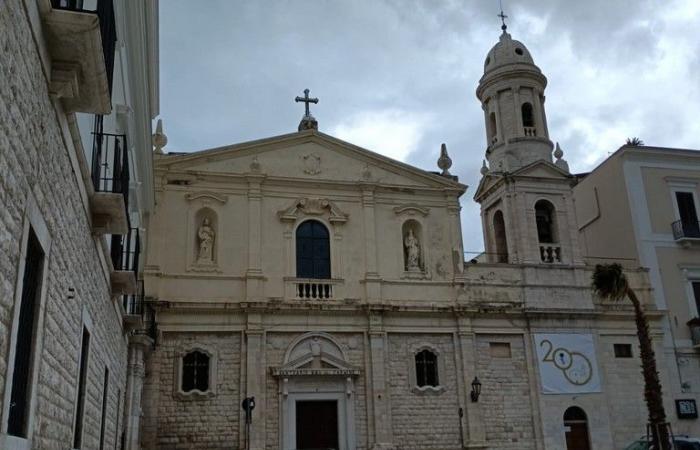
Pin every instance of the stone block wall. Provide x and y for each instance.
(194, 422)
(34, 162)
(505, 397)
(423, 420)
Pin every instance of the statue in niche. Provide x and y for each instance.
(205, 237)
(412, 252)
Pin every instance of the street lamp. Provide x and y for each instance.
(476, 389)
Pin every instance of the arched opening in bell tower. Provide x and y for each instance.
(493, 130)
(544, 216)
(499, 234)
(527, 115)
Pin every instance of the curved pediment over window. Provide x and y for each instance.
(308, 206)
(315, 354)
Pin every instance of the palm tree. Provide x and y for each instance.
(634, 142)
(610, 282)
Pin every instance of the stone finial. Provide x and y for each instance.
(484, 169)
(308, 123)
(444, 162)
(560, 162)
(160, 140)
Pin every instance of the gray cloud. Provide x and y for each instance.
(230, 71)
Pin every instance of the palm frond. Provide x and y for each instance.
(609, 281)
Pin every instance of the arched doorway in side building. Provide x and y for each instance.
(576, 429)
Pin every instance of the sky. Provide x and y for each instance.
(398, 77)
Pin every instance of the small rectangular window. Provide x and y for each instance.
(80, 406)
(24, 343)
(103, 418)
(195, 372)
(499, 349)
(426, 369)
(623, 350)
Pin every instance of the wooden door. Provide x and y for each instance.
(317, 425)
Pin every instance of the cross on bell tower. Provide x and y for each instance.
(308, 122)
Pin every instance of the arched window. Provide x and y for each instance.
(528, 118)
(195, 371)
(576, 426)
(426, 369)
(313, 251)
(492, 127)
(544, 216)
(499, 232)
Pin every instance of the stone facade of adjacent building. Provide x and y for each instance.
(46, 197)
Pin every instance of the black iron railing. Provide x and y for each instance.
(125, 251)
(110, 162)
(684, 229)
(134, 303)
(108, 29)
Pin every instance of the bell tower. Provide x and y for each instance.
(511, 92)
(527, 209)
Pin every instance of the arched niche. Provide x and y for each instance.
(413, 246)
(499, 237)
(204, 240)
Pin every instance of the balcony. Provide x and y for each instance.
(134, 306)
(530, 131)
(125, 251)
(550, 253)
(80, 43)
(109, 204)
(686, 231)
(313, 289)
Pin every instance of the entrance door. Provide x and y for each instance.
(317, 424)
(576, 426)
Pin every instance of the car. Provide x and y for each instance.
(681, 443)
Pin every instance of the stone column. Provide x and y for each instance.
(254, 276)
(475, 435)
(539, 115)
(372, 281)
(517, 111)
(255, 380)
(139, 346)
(383, 435)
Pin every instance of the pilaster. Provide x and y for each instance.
(255, 380)
(473, 419)
(139, 345)
(254, 275)
(372, 280)
(381, 406)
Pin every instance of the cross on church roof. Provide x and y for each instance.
(306, 100)
(502, 16)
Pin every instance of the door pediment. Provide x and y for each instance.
(315, 354)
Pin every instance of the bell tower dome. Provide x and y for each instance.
(511, 92)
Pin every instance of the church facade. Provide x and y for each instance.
(328, 283)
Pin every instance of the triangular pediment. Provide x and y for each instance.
(541, 169)
(306, 155)
(538, 169)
